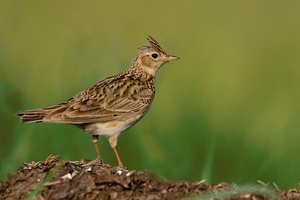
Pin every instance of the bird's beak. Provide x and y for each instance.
(170, 58)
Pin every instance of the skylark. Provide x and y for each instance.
(111, 105)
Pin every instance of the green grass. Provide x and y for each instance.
(40, 185)
(228, 110)
(266, 192)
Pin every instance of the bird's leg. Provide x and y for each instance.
(118, 158)
(113, 140)
(98, 160)
(95, 141)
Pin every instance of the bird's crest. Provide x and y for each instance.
(155, 45)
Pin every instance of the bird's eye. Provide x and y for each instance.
(154, 55)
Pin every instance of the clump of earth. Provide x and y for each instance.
(58, 179)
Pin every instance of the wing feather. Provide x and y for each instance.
(102, 103)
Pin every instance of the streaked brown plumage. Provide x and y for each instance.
(111, 105)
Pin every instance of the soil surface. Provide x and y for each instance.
(55, 179)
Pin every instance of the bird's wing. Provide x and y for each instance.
(101, 104)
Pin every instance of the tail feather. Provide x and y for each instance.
(31, 116)
(36, 115)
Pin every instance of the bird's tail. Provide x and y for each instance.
(36, 115)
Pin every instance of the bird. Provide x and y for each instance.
(112, 105)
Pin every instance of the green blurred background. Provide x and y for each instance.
(228, 110)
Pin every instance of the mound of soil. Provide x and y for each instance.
(55, 179)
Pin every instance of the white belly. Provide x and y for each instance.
(112, 128)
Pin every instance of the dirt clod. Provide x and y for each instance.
(55, 179)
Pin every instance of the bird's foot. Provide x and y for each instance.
(120, 166)
(76, 162)
(97, 161)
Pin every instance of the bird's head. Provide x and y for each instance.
(151, 58)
